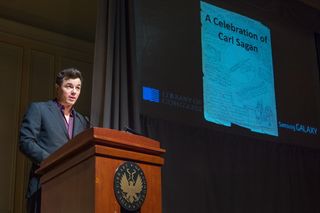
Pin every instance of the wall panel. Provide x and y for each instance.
(41, 76)
(10, 72)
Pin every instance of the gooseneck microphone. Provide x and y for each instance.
(128, 129)
(89, 124)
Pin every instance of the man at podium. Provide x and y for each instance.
(47, 126)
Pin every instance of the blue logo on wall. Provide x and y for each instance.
(151, 94)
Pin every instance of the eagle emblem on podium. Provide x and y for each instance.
(130, 186)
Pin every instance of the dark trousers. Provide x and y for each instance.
(34, 203)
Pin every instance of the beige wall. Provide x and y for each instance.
(29, 60)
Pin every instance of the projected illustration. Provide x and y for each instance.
(238, 83)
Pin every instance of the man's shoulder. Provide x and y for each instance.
(79, 115)
(42, 104)
(82, 118)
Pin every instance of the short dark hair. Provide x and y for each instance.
(66, 74)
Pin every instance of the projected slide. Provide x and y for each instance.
(238, 81)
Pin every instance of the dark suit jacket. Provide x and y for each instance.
(42, 132)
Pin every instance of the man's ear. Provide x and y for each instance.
(56, 86)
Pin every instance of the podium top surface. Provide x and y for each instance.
(103, 137)
(119, 138)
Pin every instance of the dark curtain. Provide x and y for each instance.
(210, 171)
(317, 38)
(114, 94)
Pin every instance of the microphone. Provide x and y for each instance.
(88, 122)
(129, 130)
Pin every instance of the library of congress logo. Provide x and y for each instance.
(130, 186)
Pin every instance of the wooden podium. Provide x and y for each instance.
(79, 177)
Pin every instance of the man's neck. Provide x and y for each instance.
(67, 110)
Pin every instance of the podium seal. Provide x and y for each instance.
(130, 186)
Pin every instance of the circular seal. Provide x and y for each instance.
(130, 186)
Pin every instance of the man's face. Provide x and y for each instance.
(69, 91)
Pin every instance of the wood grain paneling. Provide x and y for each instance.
(41, 76)
(10, 72)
